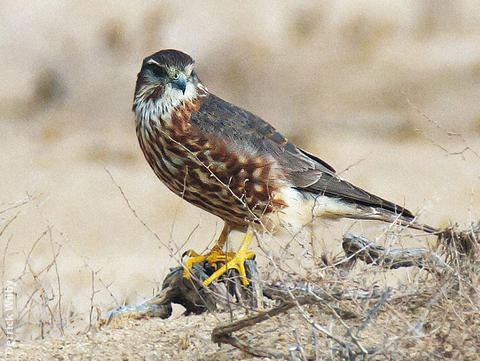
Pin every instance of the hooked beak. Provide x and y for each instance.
(180, 83)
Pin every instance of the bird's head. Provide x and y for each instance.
(167, 79)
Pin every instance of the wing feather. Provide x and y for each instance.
(245, 132)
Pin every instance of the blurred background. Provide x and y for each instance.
(386, 92)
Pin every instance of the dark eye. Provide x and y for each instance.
(158, 71)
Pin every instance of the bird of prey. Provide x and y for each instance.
(235, 165)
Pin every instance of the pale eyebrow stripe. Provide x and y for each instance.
(151, 61)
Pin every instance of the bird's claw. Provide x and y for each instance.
(236, 262)
(215, 256)
(229, 260)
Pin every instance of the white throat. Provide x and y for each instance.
(162, 108)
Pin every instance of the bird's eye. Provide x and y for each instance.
(158, 71)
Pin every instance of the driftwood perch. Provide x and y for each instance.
(196, 298)
(175, 289)
(358, 247)
(191, 294)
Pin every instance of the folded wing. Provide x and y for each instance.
(245, 132)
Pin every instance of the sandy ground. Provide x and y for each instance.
(387, 95)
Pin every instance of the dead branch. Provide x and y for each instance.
(223, 333)
(55, 255)
(291, 297)
(281, 292)
(191, 294)
(92, 296)
(135, 214)
(374, 311)
(358, 247)
(302, 296)
(175, 289)
(448, 133)
(18, 204)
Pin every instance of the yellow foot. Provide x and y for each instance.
(230, 260)
(216, 255)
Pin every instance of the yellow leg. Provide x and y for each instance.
(213, 257)
(236, 262)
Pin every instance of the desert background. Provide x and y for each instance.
(386, 92)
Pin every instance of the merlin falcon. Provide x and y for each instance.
(235, 165)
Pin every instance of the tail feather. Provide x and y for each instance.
(332, 186)
(362, 204)
(401, 218)
(303, 207)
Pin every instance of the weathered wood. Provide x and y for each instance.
(196, 298)
(357, 247)
(191, 294)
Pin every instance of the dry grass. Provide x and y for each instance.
(425, 316)
(387, 94)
